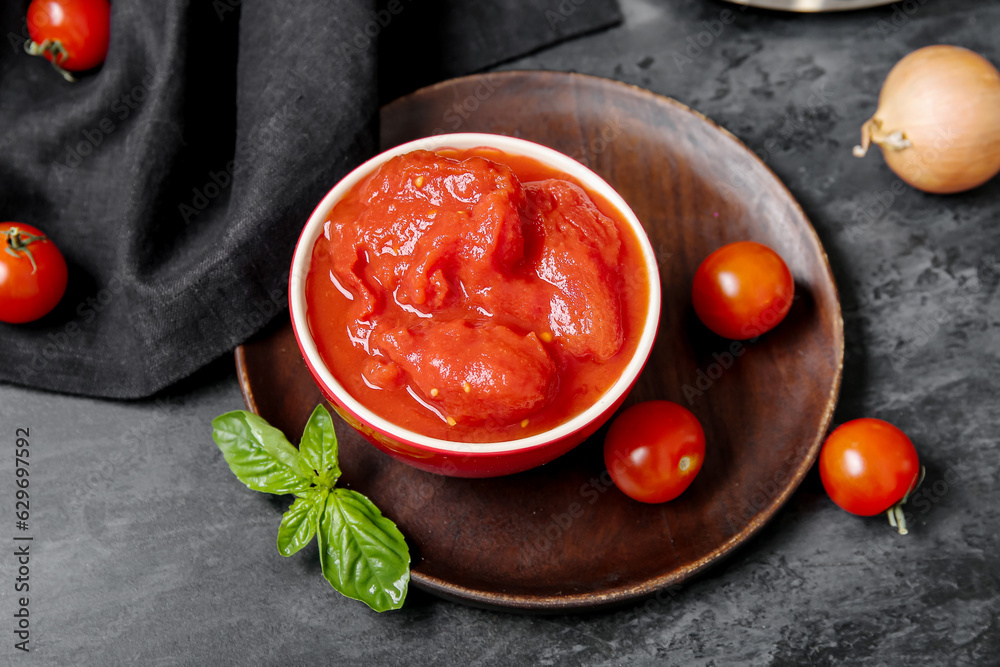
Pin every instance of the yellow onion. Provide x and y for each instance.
(938, 120)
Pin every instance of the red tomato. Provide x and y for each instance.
(654, 451)
(868, 465)
(72, 34)
(32, 273)
(742, 290)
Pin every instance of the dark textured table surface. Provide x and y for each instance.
(146, 551)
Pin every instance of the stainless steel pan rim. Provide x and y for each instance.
(813, 5)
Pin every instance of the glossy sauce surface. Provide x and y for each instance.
(474, 295)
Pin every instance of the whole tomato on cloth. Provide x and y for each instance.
(654, 450)
(71, 34)
(33, 273)
(868, 466)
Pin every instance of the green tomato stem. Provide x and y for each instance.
(18, 241)
(58, 51)
(897, 519)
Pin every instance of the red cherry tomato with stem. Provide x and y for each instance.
(869, 466)
(71, 34)
(742, 290)
(654, 450)
(33, 273)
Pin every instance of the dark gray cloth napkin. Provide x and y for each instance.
(175, 178)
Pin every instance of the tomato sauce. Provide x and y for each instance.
(474, 295)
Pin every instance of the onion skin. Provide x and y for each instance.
(938, 120)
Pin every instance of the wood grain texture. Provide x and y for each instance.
(560, 537)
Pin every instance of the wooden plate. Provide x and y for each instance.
(561, 537)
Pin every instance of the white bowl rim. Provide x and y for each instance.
(465, 140)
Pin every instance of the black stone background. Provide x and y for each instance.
(148, 552)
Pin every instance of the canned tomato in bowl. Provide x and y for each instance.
(474, 304)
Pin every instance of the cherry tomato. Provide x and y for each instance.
(868, 465)
(654, 450)
(33, 273)
(742, 290)
(72, 34)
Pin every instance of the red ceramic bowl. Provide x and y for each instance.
(469, 459)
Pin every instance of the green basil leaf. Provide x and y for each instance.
(259, 455)
(300, 522)
(362, 553)
(318, 446)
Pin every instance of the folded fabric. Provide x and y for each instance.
(175, 178)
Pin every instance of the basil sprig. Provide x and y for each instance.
(363, 555)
